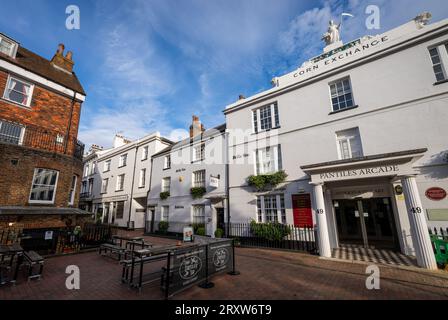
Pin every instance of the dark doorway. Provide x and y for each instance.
(220, 222)
(367, 222)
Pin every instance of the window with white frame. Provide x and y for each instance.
(166, 184)
(198, 214)
(266, 118)
(349, 144)
(106, 167)
(7, 47)
(271, 209)
(104, 185)
(92, 168)
(119, 210)
(198, 179)
(199, 152)
(167, 162)
(71, 195)
(11, 133)
(437, 65)
(43, 189)
(341, 94)
(90, 186)
(86, 169)
(142, 179)
(84, 187)
(123, 160)
(165, 212)
(18, 91)
(145, 153)
(120, 182)
(268, 160)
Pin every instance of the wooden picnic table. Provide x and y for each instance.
(12, 250)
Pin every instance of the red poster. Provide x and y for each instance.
(301, 205)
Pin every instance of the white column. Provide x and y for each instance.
(322, 226)
(419, 227)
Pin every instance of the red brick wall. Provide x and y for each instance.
(15, 180)
(48, 110)
(41, 221)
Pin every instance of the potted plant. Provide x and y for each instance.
(164, 195)
(219, 233)
(163, 226)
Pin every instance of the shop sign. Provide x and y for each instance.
(214, 182)
(435, 194)
(188, 234)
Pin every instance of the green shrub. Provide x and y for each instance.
(163, 226)
(164, 195)
(263, 181)
(270, 231)
(196, 226)
(201, 231)
(219, 233)
(197, 192)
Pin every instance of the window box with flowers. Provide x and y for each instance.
(263, 182)
(198, 192)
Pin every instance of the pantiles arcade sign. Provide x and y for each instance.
(359, 173)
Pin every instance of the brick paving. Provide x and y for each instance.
(265, 274)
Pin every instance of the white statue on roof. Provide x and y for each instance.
(333, 35)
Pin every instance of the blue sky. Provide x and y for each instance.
(149, 65)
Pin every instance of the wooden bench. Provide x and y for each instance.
(112, 248)
(33, 259)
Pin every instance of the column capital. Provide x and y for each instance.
(407, 176)
(317, 184)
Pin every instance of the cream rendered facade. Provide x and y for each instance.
(120, 179)
(400, 112)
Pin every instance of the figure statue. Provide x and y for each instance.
(332, 35)
(423, 19)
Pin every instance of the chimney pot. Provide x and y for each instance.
(61, 62)
(241, 97)
(69, 55)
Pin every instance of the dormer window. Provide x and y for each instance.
(7, 46)
(18, 91)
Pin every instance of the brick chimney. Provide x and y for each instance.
(63, 63)
(196, 127)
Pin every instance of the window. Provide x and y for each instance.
(199, 152)
(145, 153)
(120, 182)
(44, 185)
(165, 212)
(123, 160)
(71, 195)
(266, 118)
(11, 133)
(86, 170)
(7, 47)
(167, 162)
(119, 210)
(341, 95)
(437, 65)
(90, 186)
(92, 168)
(84, 187)
(268, 160)
(349, 144)
(18, 91)
(59, 139)
(199, 214)
(106, 166)
(104, 185)
(142, 180)
(271, 209)
(166, 184)
(199, 179)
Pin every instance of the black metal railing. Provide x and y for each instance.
(40, 138)
(273, 235)
(85, 195)
(439, 232)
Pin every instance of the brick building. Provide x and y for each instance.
(40, 156)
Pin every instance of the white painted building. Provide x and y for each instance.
(362, 133)
(196, 162)
(116, 181)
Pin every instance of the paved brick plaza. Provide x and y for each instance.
(265, 274)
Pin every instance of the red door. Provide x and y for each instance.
(301, 207)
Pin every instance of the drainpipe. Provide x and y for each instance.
(132, 186)
(72, 105)
(147, 194)
(226, 135)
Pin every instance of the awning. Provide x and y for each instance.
(13, 210)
